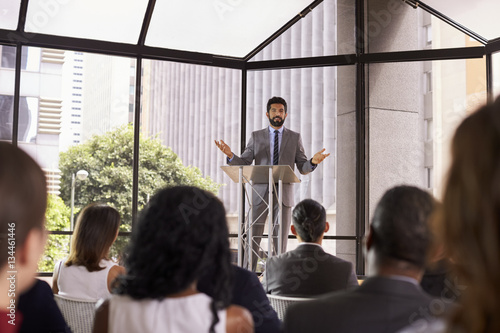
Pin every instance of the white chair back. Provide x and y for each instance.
(280, 303)
(78, 313)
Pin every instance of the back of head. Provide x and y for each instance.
(469, 222)
(309, 220)
(95, 231)
(400, 225)
(181, 233)
(23, 196)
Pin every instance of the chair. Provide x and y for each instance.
(280, 303)
(78, 313)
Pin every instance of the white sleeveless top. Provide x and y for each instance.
(170, 315)
(77, 282)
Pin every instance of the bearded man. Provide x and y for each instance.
(273, 145)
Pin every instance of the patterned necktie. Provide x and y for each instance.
(276, 156)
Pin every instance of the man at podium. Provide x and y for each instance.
(273, 145)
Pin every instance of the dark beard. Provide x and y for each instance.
(277, 123)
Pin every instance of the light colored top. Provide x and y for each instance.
(424, 326)
(177, 315)
(77, 282)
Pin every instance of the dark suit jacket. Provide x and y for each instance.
(291, 153)
(380, 304)
(248, 293)
(307, 271)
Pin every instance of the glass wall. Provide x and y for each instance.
(185, 108)
(75, 117)
(414, 108)
(396, 26)
(314, 35)
(321, 107)
(496, 74)
(7, 76)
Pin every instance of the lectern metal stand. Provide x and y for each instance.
(259, 174)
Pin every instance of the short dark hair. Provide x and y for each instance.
(276, 100)
(180, 234)
(95, 232)
(309, 220)
(400, 225)
(23, 196)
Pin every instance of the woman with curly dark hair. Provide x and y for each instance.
(180, 234)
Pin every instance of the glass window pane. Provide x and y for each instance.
(479, 16)
(76, 113)
(231, 28)
(395, 26)
(9, 14)
(496, 74)
(323, 112)
(56, 248)
(7, 79)
(185, 108)
(411, 128)
(327, 30)
(111, 20)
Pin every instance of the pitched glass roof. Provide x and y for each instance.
(229, 28)
(480, 16)
(108, 20)
(9, 14)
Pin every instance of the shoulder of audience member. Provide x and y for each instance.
(238, 320)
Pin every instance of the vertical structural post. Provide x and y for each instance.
(73, 183)
(240, 214)
(281, 230)
(270, 214)
(137, 131)
(17, 95)
(361, 130)
(489, 77)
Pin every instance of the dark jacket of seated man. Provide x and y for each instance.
(390, 298)
(308, 271)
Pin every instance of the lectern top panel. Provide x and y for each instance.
(259, 174)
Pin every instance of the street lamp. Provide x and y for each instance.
(81, 175)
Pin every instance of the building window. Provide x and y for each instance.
(428, 35)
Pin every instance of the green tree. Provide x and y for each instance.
(108, 158)
(57, 218)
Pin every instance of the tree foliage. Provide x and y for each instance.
(57, 218)
(108, 159)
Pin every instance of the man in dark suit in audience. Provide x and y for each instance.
(308, 270)
(248, 293)
(390, 298)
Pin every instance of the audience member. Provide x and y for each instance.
(308, 270)
(87, 273)
(181, 233)
(248, 293)
(40, 311)
(23, 200)
(468, 223)
(390, 298)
